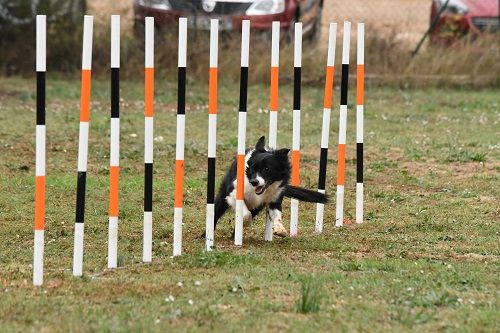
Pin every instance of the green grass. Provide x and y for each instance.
(426, 258)
(310, 295)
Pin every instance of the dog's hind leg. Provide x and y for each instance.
(274, 216)
(221, 206)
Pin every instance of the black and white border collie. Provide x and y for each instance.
(267, 176)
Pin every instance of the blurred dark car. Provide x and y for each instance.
(261, 13)
(464, 17)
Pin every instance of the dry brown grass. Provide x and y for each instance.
(393, 28)
(392, 31)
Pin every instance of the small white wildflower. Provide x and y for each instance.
(190, 302)
(157, 321)
(235, 289)
(133, 135)
(180, 284)
(197, 283)
(460, 300)
(408, 289)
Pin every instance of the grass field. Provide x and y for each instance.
(426, 258)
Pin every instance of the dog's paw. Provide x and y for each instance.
(247, 220)
(279, 230)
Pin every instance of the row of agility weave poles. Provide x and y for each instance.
(212, 126)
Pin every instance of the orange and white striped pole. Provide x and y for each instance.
(114, 156)
(242, 128)
(149, 81)
(339, 214)
(212, 133)
(83, 145)
(273, 105)
(360, 87)
(179, 151)
(41, 30)
(325, 130)
(295, 181)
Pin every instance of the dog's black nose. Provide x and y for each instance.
(254, 182)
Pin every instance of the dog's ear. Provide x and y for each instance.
(283, 151)
(261, 144)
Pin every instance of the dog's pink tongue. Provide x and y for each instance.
(259, 189)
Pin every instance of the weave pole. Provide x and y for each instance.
(212, 133)
(295, 181)
(339, 214)
(41, 30)
(149, 81)
(83, 145)
(325, 130)
(360, 86)
(114, 156)
(179, 153)
(242, 128)
(273, 104)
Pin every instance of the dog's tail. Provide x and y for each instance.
(303, 194)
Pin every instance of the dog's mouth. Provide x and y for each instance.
(260, 189)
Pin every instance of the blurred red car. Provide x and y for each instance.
(261, 13)
(463, 17)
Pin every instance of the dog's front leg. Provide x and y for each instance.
(274, 216)
(247, 215)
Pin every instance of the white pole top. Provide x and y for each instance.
(347, 43)
(361, 43)
(115, 41)
(245, 42)
(41, 42)
(149, 38)
(297, 57)
(332, 40)
(214, 42)
(182, 41)
(88, 22)
(275, 44)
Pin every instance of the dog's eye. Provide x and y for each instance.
(266, 169)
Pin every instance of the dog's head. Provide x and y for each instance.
(266, 167)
